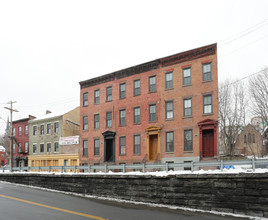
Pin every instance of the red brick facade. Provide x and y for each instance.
(172, 98)
(2, 156)
(21, 141)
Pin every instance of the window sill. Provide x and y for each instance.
(185, 117)
(97, 155)
(152, 121)
(136, 95)
(207, 114)
(169, 152)
(136, 123)
(187, 85)
(188, 152)
(96, 129)
(109, 100)
(85, 105)
(96, 103)
(122, 125)
(169, 119)
(138, 154)
(122, 98)
(152, 92)
(122, 155)
(208, 81)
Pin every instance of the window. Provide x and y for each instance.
(207, 99)
(42, 129)
(137, 87)
(152, 83)
(19, 130)
(137, 115)
(109, 119)
(122, 144)
(187, 107)
(56, 127)
(48, 147)
(97, 96)
(188, 140)
(85, 123)
(253, 138)
(207, 72)
(109, 94)
(187, 76)
(152, 112)
(169, 110)
(19, 147)
(42, 148)
(170, 141)
(14, 131)
(97, 147)
(34, 130)
(249, 138)
(26, 148)
(169, 80)
(85, 99)
(56, 147)
(34, 148)
(96, 121)
(14, 148)
(48, 128)
(122, 115)
(245, 138)
(85, 148)
(26, 131)
(137, 144)
(122, 91)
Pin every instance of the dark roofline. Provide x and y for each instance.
(155, 64)
(24, 119)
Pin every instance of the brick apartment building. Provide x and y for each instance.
(165, 110)
(21, 141)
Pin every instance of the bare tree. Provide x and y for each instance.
(258, 89)
(232, 114)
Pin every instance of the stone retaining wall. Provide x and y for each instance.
(232, 193)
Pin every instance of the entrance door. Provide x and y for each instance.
(208, 143)
(109, 152)
(153, 141)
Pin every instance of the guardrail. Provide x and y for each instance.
(255, 163)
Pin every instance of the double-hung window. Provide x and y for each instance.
(152, 112)
(56, 127)
(85, 122)
(122, 90)
(108, 119)
(26, 130)
(187, 76)
(188, 140)
(152, 83)
(85, 99)
(97, 96)
(34, 130)
(137, 144)
(137, 115)
(122, 144)
(96, 121)
(169, 80)
(109, 94)
(96, 147)
(170, 141)
(26, 147)
(34, 148)
(56, 147)
(169, 110)
(42, 148)
(48, 128)
(207, 102)
(48, 147)
(42, 129)
(122, 116)
(187, 107)
(137, 87)
(207, 72)
(19, 130)
(85, 148)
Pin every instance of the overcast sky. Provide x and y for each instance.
(48, 47)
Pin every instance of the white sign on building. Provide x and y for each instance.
(71, 140)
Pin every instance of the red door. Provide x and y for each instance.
(208, 143)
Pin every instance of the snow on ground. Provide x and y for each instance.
(143, 203)
(232, 170)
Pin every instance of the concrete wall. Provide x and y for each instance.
(232, 193)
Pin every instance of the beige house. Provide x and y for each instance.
(47, 146)
(249, 142)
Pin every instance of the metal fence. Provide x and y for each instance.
(254, 163)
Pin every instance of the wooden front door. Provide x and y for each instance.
(153, 140)
(208, 143)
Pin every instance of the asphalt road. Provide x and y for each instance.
(24, 203)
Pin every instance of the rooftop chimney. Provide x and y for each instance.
(48, 112)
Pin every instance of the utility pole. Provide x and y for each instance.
(11, 132)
